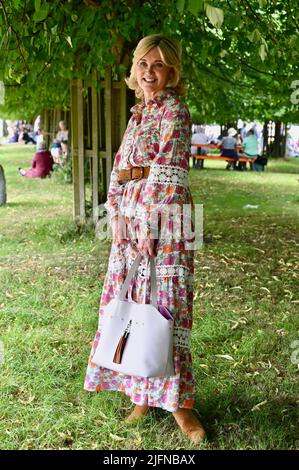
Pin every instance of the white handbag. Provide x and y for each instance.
(136, 339)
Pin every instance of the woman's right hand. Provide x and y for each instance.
(118, 231)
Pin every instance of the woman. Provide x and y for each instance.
(59, 148)
(24, 137)
(156, 145)
(229, 148)
(42, 163)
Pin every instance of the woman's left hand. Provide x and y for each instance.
(146, 247)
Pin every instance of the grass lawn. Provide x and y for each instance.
(246, 302)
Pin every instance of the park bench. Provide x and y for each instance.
(218, 157)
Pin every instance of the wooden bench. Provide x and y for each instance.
(218, 157)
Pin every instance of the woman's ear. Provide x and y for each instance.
(171, 77)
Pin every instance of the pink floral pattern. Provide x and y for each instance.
(158, 135)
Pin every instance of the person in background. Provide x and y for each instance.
(42, 163)
(62, 137)
(59, 148)
(243, 132)
(229, 148)
(25, 138)
(37, 126)
(14, 138)
(292, 147)
(255, 131)
(250, 148)
(199, 137)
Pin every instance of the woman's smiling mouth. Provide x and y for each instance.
(147, 80)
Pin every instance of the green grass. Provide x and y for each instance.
(246, 302)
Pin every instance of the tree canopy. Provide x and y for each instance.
(240, 58)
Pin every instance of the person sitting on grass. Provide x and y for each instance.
(42, 163)
(25, 138)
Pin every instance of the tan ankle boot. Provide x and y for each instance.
(190, 425)
(138, 413)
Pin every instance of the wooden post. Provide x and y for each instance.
(123, 106)
(45, 125)
(103, 115)
(78, 152)
(108, 121)
(95, 152)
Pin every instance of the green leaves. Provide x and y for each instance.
(263, 51)
(180, 4)
(194, 6)
(215, 15)
(256, 38)
(234, 65)
(41, 12)
(69, 41)
(262, 3)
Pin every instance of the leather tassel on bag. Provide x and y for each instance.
(121, 345)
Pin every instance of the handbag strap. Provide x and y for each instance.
(132, 272)
(153, 277)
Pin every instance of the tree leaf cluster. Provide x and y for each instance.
(240, 58)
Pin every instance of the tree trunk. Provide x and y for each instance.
(2, 187)
(277, 140)
(265, 138)
(275, 134)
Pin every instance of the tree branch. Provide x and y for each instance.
(211, 72)
(10, 28)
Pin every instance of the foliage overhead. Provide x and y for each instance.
(240, 57)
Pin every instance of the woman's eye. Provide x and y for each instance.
(142, 64)
(159, 65)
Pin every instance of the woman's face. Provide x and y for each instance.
(152, 74)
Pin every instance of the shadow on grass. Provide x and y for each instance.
(21, 204)
(236, 414)
(274, 166)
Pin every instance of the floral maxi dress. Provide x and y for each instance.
(158, 135)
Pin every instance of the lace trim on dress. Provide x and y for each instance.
(166, 174)
(174, 270)
(181, 338)
(166, 271)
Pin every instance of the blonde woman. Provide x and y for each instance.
(151, 171)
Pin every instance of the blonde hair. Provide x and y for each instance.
(171, 53)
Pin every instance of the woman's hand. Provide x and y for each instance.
(146, 247)
(118, 231)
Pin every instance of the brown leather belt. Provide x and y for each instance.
(134, 173)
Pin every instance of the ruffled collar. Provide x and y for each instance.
(157, 101)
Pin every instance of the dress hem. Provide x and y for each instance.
(152, 405)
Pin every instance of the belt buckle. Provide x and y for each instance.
(137, 178)
(127, 178)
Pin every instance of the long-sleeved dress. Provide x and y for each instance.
(41, 166)
(158, 135)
